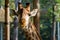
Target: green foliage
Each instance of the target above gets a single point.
(58, 1)
(12, 4)
(46, 3)
(2, 3)
(57, 12)
(45, 26)
(46, 19)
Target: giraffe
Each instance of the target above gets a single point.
(27, 26)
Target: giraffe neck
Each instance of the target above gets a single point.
(31, 33)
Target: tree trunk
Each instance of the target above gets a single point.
(7, 23)
(53, 36)
(37, 17)
(58, 25)
(15, 22)
(54, 31)
(15, 34)
(16, 4)
(1, 32)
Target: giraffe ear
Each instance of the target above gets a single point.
(34, 12)
(28, 6)
(20, 6)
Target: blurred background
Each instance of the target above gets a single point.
(49, 19)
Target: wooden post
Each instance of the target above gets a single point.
(7, 27)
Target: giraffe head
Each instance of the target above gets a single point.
(25, 14)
